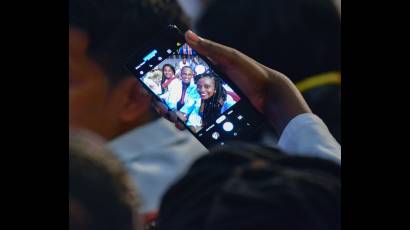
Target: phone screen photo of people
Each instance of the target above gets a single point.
(187, 85)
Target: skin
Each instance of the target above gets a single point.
(168, 72)
(206, 88)
(186, 75)
(269, 91)
(94, 103)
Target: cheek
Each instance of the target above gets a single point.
(211, 90)
(87, 103)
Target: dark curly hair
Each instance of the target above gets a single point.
(213, 105)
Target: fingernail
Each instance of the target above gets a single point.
(192, 36)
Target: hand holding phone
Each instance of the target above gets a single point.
(224, 99)
(269, 91)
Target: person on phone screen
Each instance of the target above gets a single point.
(213, 101)
(168, 76)
(182, 90)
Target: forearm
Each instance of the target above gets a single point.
(284, 100)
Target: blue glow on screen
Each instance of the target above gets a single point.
(150, 55)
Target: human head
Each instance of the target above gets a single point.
(186, 74)
(248, 187)
(103, 96)
(208, 85)
(168, 71)
(101, 194)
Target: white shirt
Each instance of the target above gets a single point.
(175, 93)
(181, 64)
(156, 155)
(307, 135)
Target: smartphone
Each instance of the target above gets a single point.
(211, 106)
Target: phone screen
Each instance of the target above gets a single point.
(190, 87)
(211, 107)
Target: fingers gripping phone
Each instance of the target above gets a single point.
(211, 106)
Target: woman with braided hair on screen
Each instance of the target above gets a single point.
(213, 101)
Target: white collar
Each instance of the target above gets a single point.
(155, 133)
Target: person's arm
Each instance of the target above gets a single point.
(190, 111)
(307, 135)
(194, 119)
(271, 92)
(274, 95)
(188, 107)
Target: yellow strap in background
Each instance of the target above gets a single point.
(319, 80)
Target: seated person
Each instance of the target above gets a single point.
(184, 62)
(213, 101)
(168, 75)
(182, 90)
(186, 50)
(198, 65)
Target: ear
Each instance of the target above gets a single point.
(135, 101)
